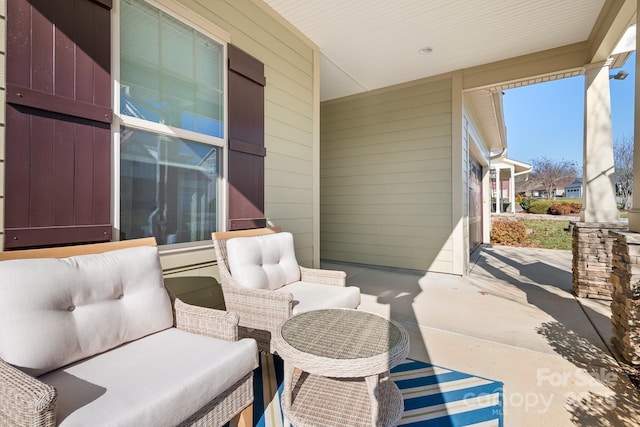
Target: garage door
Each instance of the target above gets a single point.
(475, 204)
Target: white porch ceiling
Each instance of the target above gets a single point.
(370, 44)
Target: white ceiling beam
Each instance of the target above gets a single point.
(527, 67)
(613, 21)
(616, 16)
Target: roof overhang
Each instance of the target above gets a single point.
(505, 165)
(487, 109)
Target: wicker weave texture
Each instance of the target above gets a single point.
(205, 321)
(342, 343)
(344, 358)
(26, 401)
(262, 311)
(322, 401)
(223, 408)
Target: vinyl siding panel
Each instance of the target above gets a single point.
(193, 277)
(386, 178)
(289, 110)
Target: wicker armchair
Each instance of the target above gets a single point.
(27, 401)
(262, 311)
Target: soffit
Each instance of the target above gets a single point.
(370, 44)
(485, 106)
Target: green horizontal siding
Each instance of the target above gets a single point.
(385, 178)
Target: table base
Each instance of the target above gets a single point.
(326, 402)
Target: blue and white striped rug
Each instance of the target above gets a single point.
(433, 396)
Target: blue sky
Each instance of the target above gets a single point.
(547, 119)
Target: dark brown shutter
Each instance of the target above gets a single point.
(246, 141)
(58, 115)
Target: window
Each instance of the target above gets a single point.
(167, 187)
(172, 111)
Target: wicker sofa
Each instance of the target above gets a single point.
(89, 335)
(263, 283)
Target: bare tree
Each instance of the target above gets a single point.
(523, 184)
(623, 176)
(549, 173)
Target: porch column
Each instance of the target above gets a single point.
(498, 189)
(634, 213)
(599, 201)
(625, 307)
(592, 240)
(512, 190)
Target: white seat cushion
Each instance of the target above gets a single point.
(159, 380)
(313, 296)
(263, 262)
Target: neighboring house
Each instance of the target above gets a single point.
(539, 193)
(559, 191)
(542, 193)
(174, 118)
(574, 190)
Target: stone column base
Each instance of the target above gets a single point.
(625, 305)
(592, 253)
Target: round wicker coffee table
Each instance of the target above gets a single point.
(336, 368)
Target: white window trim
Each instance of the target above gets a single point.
(192, 19)
(202, 25)
(140, 124)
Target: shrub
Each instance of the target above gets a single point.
(525, 203)
(508, 232)
(576, 207)
(565, 208)
(539, 206)
(560, 209)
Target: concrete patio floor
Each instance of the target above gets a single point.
(515, 320)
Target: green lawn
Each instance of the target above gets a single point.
(547, 234)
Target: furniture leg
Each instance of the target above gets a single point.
(289, 374)
(373, 382)
(244, 418)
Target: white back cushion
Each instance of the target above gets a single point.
(57, 311)
(263, 262)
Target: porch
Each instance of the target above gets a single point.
(513, 320)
